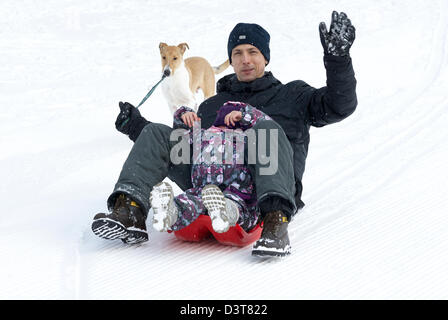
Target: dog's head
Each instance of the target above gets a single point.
(172, 57)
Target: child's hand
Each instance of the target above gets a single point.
(233, 117)
(189, 118)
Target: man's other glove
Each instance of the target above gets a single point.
(338, 41)
(127, 113)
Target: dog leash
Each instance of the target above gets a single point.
(146, 97)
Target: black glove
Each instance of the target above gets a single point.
(338, 41)
(127, 114)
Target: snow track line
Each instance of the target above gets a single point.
(394, 146)
(436, 58)
(390, 144)
(400, 142)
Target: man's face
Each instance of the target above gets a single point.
(248, 62)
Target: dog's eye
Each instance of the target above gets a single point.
(175, 58)
(163, 58)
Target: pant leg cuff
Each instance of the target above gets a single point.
(142, 201)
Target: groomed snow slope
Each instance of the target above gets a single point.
(375, 224)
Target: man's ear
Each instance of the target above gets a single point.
(183, 46)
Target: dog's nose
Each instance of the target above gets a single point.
(166, 72)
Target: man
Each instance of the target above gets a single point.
(294, 107)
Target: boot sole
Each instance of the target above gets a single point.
(162, 203)
(215, 202)
(112, 230)
(271, 252)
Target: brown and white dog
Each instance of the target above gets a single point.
(184, 77)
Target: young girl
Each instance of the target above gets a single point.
(225, 191)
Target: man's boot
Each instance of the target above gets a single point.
(274, 240)
(126, 222)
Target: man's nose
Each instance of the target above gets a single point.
(246, 58)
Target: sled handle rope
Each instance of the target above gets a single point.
(146, 97)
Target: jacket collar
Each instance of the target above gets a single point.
(231, 84)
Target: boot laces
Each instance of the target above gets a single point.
(120, 202)
(273, 222)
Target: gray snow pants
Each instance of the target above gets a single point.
(149, 163)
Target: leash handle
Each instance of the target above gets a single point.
(145, 98)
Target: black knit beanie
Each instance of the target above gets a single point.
(249, 33)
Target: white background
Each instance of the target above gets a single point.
(375, 222)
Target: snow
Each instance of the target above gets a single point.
(375, 223)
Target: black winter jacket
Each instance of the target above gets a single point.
(295, 106)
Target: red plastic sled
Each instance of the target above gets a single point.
(201, 228)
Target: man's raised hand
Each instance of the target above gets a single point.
(339, 39)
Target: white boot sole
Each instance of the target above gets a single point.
(164, 209)
(222, 211)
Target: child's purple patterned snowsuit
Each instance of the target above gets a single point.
(210, 167)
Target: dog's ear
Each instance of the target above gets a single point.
(183, 46)
(162, 45)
